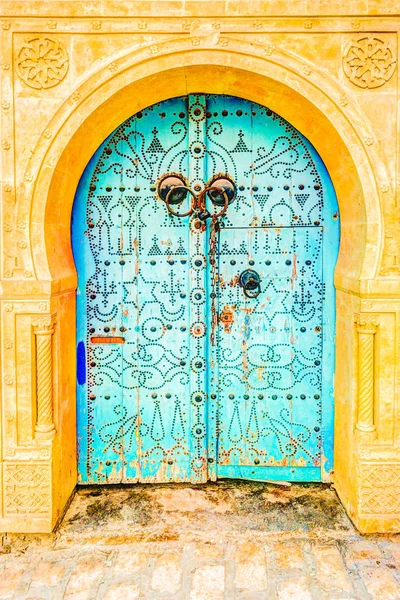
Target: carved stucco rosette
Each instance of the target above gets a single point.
(369, 62)
(42, 63)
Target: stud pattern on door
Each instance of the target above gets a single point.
(182, 374)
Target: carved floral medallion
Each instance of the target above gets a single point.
(42, 63)
(369, 62)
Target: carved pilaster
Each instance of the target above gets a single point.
(43, 331)
(366, 328)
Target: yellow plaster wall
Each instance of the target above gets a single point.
(115, 58)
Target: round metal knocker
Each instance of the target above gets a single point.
(172, 182)
(172, 190)
(250, 282)
(219, 187)
(222, 194)
(173, 193)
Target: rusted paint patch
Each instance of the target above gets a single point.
(107, 340)
(226, 317)
(294, 272)
(234, 281)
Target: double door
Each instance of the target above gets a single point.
(205, 328)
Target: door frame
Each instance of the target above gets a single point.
(105, 99)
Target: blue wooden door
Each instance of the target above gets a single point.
(205, 345)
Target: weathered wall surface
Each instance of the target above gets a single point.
(70, 73)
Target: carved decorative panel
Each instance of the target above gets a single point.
(27, 488)
(380, 489)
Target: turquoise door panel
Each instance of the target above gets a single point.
(183, 373)
(270, 348)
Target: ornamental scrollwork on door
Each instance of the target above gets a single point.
(156, 290)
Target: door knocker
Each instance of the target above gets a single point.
(172, 189)
(250, 282)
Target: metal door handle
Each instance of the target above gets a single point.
(250, 280)
(172, 189)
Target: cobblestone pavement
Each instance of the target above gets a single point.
(225, 540)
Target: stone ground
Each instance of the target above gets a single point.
(224, 540)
